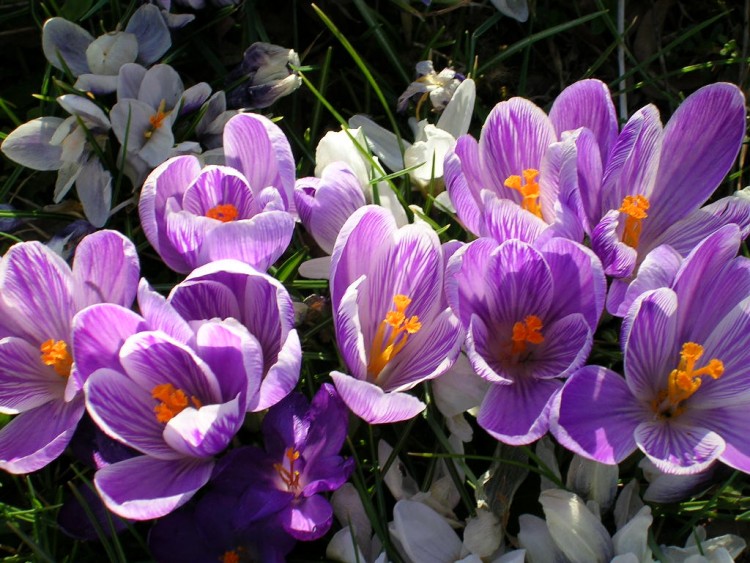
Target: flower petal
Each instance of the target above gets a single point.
(29, 144)
(148, 25)
(62, 39)
(518, 413)
(142, 488)
(676, 446)
(25, 382)
(595, 415)
(372, 404)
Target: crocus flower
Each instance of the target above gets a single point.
(266, 74)
(192, 216)
(96, 62)
(148, 102)
(685, 395)
(519, 171)
(53, 143)
(437, 87)
(39, 380)
(425, 156)
(644, 188)
(300, 460)
(175, 384)
(393, 327)
(530, 313)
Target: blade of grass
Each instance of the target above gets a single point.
(531, 39)
(382, 40)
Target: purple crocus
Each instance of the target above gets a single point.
(175, 384)
(644, 188)
(530, 313)
(39, 378)
(193, 216)
(519, 169)
(393, 326)
(301, 460)
(686, 391)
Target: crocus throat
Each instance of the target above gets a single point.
(173, 402)
(634, 207)
(225, 212)
(55, 353)
(230, 556)
(526, 331)
(286, 471)
(529, 190)
(684, 381)
(392, 335)
(157, 120)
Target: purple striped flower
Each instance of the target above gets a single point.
(393, 326)
(530, 313)
(193, 215)
(686, 391)
(520, 180)
(175, 383)
(39, 380)
(647, 188)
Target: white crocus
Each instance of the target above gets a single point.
(425, 156)
(573, 533)
(722, 549)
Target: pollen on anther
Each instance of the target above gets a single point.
(55, 354)
(225, 213)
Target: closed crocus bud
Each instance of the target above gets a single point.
(266, 74)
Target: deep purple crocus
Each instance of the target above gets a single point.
(193, 215)
(393, 326)
(300, 460)
(39, 379)
(530, 314)
(686, 391)
(175, 384)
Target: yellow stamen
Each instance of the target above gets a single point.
(173, 402)
(289, 475)
(635, 208)
(399, 327)
(224, 213)
(528, 330)
(157, 120)
(684, 381)
(529, 190)
(55, 353)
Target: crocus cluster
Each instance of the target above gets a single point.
(565, 215)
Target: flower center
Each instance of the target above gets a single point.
(286, 471)
(157, 120)
(634, 207)
(526, 331)
(55, 353)
(225, 212)
(230, 556)
(173, 402)
(529, 190)
(392, 335)
(684, 381)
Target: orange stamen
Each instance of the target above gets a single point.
(289, 475)
(157, 120)
(383, 349)
(55, 353)
(684, 381)
(224, 213)
(173, 402)
(230, 557)
(529, 190)
(528, 330)
(635, 208)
